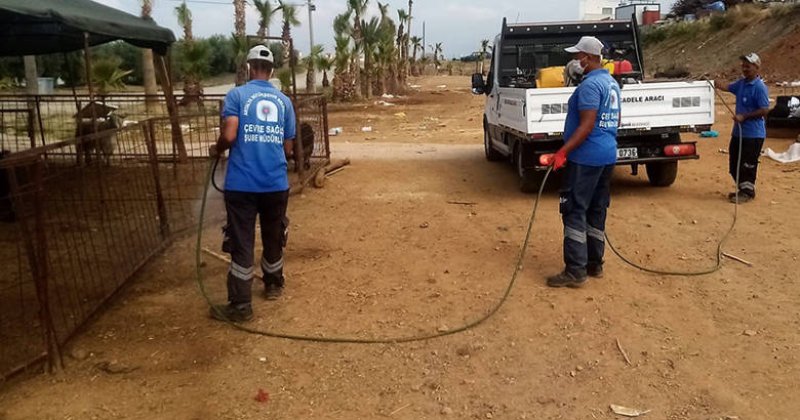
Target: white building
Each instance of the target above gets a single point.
(638, 8)
(597, 9)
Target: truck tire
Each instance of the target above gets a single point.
(529, 179)
(662, 174)
(492, 155)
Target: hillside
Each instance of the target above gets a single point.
(712, 45)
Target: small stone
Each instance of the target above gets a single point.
(262, 359)
(750, 333)
(446, 411)
(464, 351)
(572, 373)
(424, 225)
(579, 368)
(489, 415)
(443, 328)
(79, 353)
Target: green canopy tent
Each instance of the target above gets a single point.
(33, 27)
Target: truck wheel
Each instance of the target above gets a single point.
(662, 174)
(492, 155)
(529, 179)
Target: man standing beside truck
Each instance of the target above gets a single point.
(752, 105)
(590, 147)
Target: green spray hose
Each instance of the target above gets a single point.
(718, 264)
(355, 340)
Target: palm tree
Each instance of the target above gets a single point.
(193, 59)
(324, 63)
(266, 13)
(148, 67)
(359, 8)
(402, 58)
(310, 63)
(107, 75)
(437, 53)
(343, 85)
(371, 37)
(417, 43)
(240, 30)
(406, 63)
(484, 48)
(184, 16)
(289, 19)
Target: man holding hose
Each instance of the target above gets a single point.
(752, 105)
(259, 129)
(590, 147)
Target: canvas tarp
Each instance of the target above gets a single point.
(33, 27)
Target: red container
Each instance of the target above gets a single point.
(650, 17)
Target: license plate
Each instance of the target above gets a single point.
(628, 153)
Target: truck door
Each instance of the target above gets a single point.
(493, 100)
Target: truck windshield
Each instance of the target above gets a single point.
(521, 58)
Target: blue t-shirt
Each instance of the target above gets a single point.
(598, 91)
(257, 161)
(750, 96)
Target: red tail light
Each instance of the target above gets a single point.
(538, 136)
(680, 150)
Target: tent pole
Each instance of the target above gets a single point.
(172, 108)
(87, 58)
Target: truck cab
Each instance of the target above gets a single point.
(525, 108)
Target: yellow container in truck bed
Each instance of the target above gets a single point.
(550, 77)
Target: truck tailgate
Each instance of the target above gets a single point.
(644, 106)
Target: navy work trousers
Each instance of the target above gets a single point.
(584, 200)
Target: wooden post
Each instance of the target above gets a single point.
(150, 139)
(325, 129)
(172, 108)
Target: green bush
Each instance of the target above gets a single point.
(719, 21)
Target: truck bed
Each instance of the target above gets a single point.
(645, 106)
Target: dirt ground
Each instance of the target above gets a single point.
(379, 252)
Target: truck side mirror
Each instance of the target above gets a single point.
(478, 84)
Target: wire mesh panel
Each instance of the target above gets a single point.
(21, 331)
(312, 134)
(36, 120)
(79, 217)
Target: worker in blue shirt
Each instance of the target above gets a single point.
(752, 105)
(259, 129)
(589, 154)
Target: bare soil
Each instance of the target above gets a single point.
(379, 252)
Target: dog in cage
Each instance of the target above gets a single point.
(105, 143)
(307, 141)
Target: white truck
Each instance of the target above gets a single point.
(522, 122)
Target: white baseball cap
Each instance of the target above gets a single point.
(752, 58)
(260, 52)
(589, 45)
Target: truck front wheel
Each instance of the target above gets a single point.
(492, 155)
(662, 174)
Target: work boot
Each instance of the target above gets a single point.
(232, 313)
(272, 291)
(565, 279)
(595, 270)
(743, 197)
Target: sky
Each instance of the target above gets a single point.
(459, 25)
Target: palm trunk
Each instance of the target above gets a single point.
(325, 82)
(240, 31)
(149, 78)
(367, 86)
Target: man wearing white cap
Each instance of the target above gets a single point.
(259, 129)
(752, 105)
(590, 147)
